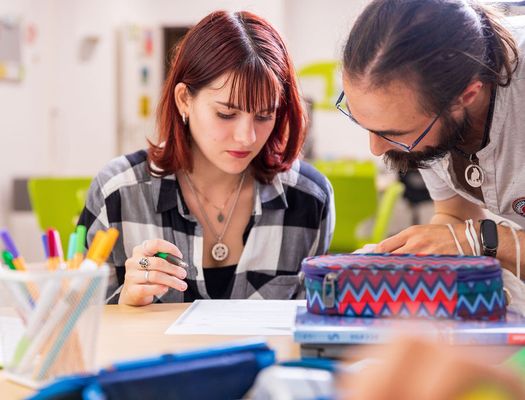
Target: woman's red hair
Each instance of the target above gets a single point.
(251, 51)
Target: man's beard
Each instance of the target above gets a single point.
(452, 134)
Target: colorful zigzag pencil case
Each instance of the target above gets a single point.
(406, 285)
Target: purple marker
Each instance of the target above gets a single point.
(9, 243)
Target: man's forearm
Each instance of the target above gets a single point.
(507, 245)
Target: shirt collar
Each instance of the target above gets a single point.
(167, 195)
(272, 196)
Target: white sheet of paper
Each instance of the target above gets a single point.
(11, 328)
(237, 317)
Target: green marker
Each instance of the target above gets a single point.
(172, 259)
(8, 259)
(71, 247)
(80, 239)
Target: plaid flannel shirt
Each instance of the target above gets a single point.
(293, 217)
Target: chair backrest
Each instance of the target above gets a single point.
(355, 198)
(328, 73)
(384, 213)
(57, 202)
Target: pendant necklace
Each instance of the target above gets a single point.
(220, 209)
(474, 174)
(220, 250)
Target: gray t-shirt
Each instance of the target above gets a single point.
(502, 159)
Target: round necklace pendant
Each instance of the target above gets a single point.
(220, 217)
(219, 251)
(474, 175)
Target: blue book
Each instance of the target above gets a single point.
(323, 329)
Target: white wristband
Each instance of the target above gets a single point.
(470, 239)
(474, 235)
(458, 245)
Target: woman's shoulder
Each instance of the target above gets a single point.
(304, 177)
(123, 171)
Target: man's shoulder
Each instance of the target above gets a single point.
(516, 26)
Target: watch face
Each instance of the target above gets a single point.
(489, 237)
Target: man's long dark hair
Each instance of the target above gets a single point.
(438, 46)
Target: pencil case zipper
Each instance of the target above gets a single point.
(328, 279)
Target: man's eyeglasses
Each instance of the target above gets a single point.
(341, 106)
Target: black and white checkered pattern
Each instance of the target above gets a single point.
(293, 218)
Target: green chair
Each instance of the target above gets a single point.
(57, 202)
(357, 201)
(327, 72)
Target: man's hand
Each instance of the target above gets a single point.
(425, 239)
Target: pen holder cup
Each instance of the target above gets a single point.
(56, 319)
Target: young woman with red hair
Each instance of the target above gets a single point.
(223, 188)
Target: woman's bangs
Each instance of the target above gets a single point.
(255, 88)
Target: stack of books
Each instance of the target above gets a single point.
(322, 335)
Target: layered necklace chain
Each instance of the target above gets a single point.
(219, 251)
(220, 209)
(474, 174)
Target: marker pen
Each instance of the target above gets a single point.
(172, 259)
(9, 244)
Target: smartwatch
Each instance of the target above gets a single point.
(488, 232)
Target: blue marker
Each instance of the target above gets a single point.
(45, 244)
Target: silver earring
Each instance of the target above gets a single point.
(184, 120)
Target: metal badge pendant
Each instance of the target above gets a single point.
(474, 175)
(219, 251)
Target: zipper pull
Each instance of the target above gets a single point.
(301, 276)
(328, 291)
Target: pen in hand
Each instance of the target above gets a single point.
(172, 259)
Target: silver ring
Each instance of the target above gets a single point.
(144, 263)
(146, 276)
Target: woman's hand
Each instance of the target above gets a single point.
(425, 239)
(148, 276)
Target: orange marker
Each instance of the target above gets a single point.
(97, 240)
(104, 249)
